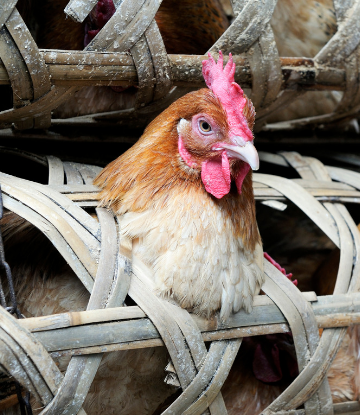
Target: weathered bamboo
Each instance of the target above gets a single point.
(88, 333)
(69, 68)
(121, 328)
(345, 408)
(261, 193)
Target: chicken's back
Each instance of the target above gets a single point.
(301, 29)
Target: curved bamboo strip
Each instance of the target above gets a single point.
(304, 200)
(44, 374)
(55, 237)
(331, 339)
(82, 369)
(305, 333)
(190, 335)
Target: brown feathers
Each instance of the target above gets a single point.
(191, 26)
(146, 174)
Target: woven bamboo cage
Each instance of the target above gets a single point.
(129, 50)
(41, 80)
(93, 250)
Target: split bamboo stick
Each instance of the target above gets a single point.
(69, 68)
(125, 328)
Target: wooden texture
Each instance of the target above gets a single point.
(69, 68)
(82, 369)
(130, 327)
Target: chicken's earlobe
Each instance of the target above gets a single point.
(185, 155)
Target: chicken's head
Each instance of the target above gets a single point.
(217, 139)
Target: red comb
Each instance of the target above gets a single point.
(221, 81)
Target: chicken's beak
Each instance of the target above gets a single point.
(247, 153)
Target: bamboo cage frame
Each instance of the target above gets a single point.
(77, 68)
(43, 79)
(109, 272)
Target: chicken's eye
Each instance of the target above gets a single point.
(205, 126)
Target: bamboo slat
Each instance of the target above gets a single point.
(70, 68)
(330, 341)
(306, 339)
(305, 202)
(56, 171)
(42, 371)
(35, 65)
(54, 236)
(82, 369)
(17, 74)
(330, 191)
(59, 331)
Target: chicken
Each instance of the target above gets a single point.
(302, 28)
(184, 193)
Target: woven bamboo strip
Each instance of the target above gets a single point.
(79, 9)
(260, 194)
(69, 68)
(330, 191)
(168, 328)
(45, 197)
(275, 81)
(305, 202)
(56, 238)
(44, 375)
(35, 65)
(229, 350)
(306, 339)
(82, 369)
(170, 322)
(56, 171)
(144, 337)
(79, 318)
(310, 379)
(17, 73)
(81, 217)
(6, 8)
(125, 326)
(66, 226)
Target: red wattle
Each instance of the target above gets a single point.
(239, 179)
(215, 175)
